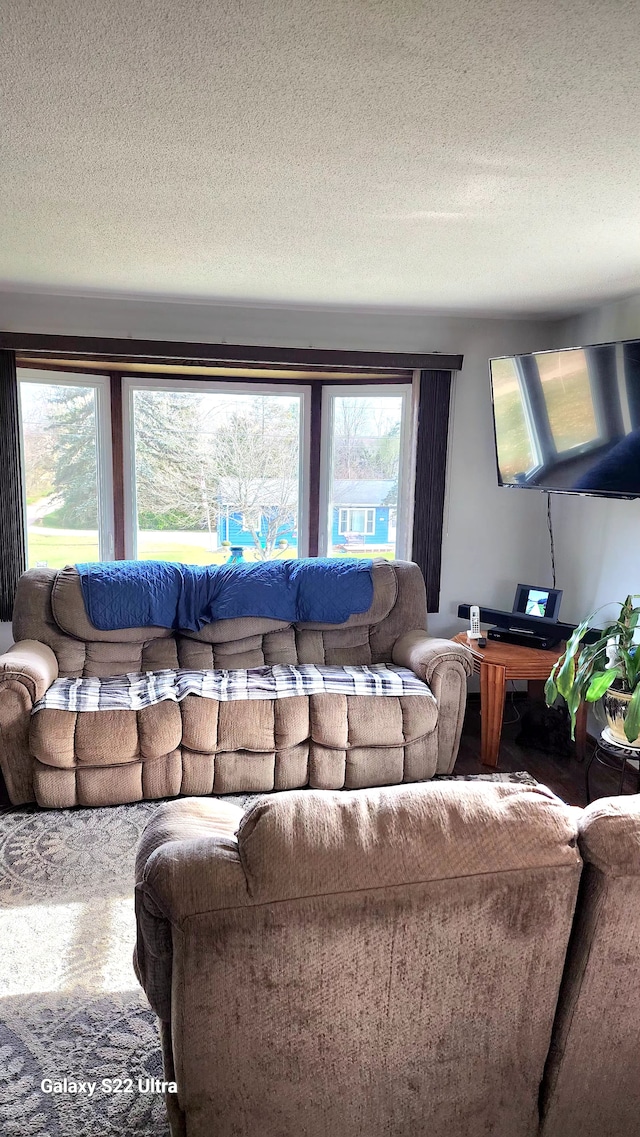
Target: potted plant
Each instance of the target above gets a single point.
(607, 670)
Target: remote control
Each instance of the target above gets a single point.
(474, 631)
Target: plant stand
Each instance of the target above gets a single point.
(613, 757)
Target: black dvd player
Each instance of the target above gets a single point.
(523, 638)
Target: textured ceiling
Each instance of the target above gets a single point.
(476, 154)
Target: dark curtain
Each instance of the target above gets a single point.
(431, 465)
(12, 537)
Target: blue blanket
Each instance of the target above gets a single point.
(136, 594)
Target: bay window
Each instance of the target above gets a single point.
(209, 466)
(166, 451)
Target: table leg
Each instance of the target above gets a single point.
(492, 688)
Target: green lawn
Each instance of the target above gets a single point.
(56, 548)
(59, 547)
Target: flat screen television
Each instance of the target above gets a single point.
(569, 421)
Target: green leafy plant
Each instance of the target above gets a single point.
(583, 674)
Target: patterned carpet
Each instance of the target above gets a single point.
(70, 1003)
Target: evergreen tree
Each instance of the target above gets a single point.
(72, 425)
(167, 457)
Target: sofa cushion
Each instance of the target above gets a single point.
(343, 723)
(137, 689)
(94, 738)
(302, 844)
(610, 836)
(385, 592)
(70, 614)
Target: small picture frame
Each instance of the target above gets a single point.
(541, 603)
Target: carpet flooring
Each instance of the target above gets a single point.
(70, 1005)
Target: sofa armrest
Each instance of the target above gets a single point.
(31, 663)
(26, 671)
(444, 666)
(178, 863)
(423, 654)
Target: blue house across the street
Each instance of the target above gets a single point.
(248, 509)
(363, 512)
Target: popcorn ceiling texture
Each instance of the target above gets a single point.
(457, 155)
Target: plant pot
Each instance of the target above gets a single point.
(615, 705)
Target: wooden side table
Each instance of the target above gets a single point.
(498, 662)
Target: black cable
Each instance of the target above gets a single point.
(514, 710)
(551, 545)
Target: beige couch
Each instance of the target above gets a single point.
(380, 963)
(395, 961)
(199, 746)
(592, 1083)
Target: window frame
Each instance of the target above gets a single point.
(346, 528)
(104, 450)
(132, 383)
(432, 377)
(569, 452)
(406, 474)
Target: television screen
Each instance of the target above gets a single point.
(569, 421)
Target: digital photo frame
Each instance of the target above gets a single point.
(532, 600)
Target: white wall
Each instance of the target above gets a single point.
(598, 539)
(493, 537)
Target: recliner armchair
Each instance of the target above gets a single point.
(365, 964)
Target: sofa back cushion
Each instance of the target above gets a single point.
(301, 844)
(591, 1085)
(49, 607)
(384, 961)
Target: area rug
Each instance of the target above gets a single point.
(70, 1005)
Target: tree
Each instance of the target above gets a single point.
(169, 475)
(253, 458)
(365, 446)
(187, 445)
(349, 445)
(72, 429)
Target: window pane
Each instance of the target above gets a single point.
(567, 393)
(515, 452)
(216, 472)
(365, 470)
(60, 455)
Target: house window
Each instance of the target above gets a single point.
(357, 522)
(366, 483)
(212, 465)
(66, 463)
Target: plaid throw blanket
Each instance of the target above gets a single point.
(137, 690)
